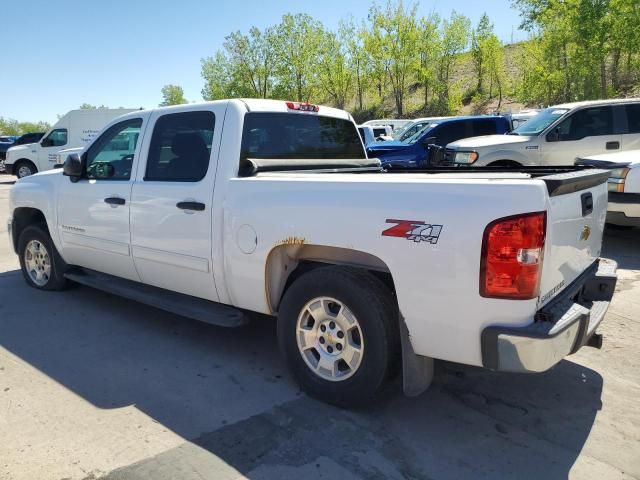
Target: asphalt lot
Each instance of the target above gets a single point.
(95, 386)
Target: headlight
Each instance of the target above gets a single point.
(616, 179)
(465, 157)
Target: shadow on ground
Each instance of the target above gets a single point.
(623, 246)
(228, 393)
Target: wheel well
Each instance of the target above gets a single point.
(26, 160)
(505, 163)
(22, 218)
(286, 263)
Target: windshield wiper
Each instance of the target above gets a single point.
(513, 133)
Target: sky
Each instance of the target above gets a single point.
(120, 53)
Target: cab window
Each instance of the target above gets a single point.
(181, 147)
(111, 156)
(57, 138)
(588, 122)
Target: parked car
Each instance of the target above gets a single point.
(273, 207)
(75, 129)
(557, 136)
(371, 134)
(413, 152)
(27, 138)
(521, 117)
(624, 185)
(6, 142)
(394, 123)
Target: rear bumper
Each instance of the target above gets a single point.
(624, 209)
(560, 329)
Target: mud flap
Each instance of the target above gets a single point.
(417, 371)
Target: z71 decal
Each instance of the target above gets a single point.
(414, 230)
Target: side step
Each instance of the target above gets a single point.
(178, 303)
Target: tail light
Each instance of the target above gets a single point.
(511, 262)
(303, 107)
(617, 179)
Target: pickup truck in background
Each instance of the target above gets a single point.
(235, 206)
(413, 150)
(624, 185)
(558, 135)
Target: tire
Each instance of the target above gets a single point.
(370, 343)
(24, 168)
(40, 262)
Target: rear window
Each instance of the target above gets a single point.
(299, 136)
(633, 117)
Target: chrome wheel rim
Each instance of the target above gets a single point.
(24, 171)
(330, 339)
(37, 263)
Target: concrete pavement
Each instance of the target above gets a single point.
(95, 386)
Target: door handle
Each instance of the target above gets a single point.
(197, 206)
(114, 201)
(613, 145)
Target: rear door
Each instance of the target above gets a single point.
(171, 201)
(631, 133)
(575, 222)
(588, 131)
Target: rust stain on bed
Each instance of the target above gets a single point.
(291, 241)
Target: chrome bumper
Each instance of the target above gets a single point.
(560, 329)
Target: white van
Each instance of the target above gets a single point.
(371, 134)
(75, 129)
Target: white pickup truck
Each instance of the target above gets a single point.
(265, 206)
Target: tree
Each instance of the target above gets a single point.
(479, 38)
(396, 36)
(353, 38)
(172, 95)
(429, 51)
(455, 38)
(10, 126)
(494, 57)
(252, 56)
(336, 76)
(297, 44)
(88, 106)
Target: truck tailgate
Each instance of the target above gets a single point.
(576, 216)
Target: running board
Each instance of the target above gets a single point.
(178, 303)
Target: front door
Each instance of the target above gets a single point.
(589, 131)
(93, 213)
(172, 199)
(49, 148)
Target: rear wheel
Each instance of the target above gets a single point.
(24, 168)
(41, 264)
(337, 329)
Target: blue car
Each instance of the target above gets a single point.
(413, 152)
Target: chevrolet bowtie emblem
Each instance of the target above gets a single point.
(586, 232)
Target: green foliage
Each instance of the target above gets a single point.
(395, 60)
(9, 126)
(582, 49)
(172, 95)
(88, 106)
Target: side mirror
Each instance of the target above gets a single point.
(72, 167)
(554, 135)
(46, 142)
(429, 141)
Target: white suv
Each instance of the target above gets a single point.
(556, 136)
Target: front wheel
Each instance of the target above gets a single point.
(41, 264)
(337, 329)
(24, 169)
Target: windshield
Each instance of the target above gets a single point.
(407, 135)
(540, 122)
(416, 136)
